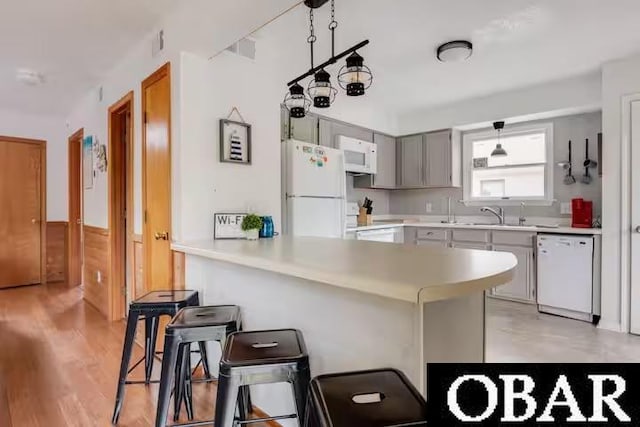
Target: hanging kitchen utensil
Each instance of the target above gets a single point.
(569, 178)
(588, 163)
(586, 178)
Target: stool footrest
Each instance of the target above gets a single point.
(142, 382)
(264, 420)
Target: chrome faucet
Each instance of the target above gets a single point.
(498, 212)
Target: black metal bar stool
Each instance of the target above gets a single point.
(261, 357)
(150, 308)
(190, 325)
(377, 398)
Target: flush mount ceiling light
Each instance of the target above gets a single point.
(29, 77)
(455, 51)
(355, 78)
(498, 151)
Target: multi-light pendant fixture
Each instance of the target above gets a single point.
(354, 77)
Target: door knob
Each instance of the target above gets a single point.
(162, 236)
(638, 229)
(33, 220)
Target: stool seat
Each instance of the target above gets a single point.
(203, 316)
(170, 297)
(378, 398)
(264, 348)
(260, 357)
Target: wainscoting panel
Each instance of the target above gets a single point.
(57, 251)
(96, 267)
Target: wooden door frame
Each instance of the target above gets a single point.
(164, 71)
(79, 134)
(42, 145)
(120, 259)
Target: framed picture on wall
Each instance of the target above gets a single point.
(235, 142)
(87, 162)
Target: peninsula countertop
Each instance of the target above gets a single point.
(401, 272)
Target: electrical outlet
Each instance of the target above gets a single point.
(565, 208)
(99, 276)
(428, 207)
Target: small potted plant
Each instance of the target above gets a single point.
(251, 225)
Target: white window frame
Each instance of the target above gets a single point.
(467, 166)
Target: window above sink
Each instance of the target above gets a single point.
(525, 174)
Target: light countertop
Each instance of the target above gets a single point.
(530, 229)
(402, 272)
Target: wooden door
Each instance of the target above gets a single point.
(22, 213)
(74, 251)
(438, 159)
(156, 165)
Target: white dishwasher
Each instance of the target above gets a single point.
(565, 276)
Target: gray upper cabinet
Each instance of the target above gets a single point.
(385, 176)
(429, 160)
(304, 129)
(437, 151)
(410, 162)
(330, 131)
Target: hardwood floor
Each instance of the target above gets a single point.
(59, 357)
(59, 362)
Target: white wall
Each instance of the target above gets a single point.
(562, 97)
(92, 115)
(50, 129)
(210, 89)
(619, 78)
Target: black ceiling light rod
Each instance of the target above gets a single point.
(330, 61)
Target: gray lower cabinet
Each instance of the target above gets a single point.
(385, 177)
(523, 286)
(304, 129)
(468, 245)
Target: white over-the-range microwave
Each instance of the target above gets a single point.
(359, 156)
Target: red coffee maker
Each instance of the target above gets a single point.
(581, 213)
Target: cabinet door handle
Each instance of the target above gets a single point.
(638, 229)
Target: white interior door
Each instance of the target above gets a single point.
(635, 217)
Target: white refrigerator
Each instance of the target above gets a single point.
(314, 189)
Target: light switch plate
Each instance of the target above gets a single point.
(565, 208)
(428, 207)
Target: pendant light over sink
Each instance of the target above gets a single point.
(355, 77)
(498, 151)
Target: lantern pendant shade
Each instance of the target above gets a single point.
(498, 151)
(321, 90)
(355, 77)
(297, 102)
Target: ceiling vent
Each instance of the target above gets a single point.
(245, 48)
(157, 45)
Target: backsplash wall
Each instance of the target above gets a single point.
(576, 128)
(380, 197)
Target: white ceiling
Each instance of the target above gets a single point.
(517, 43)
(72, 42)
